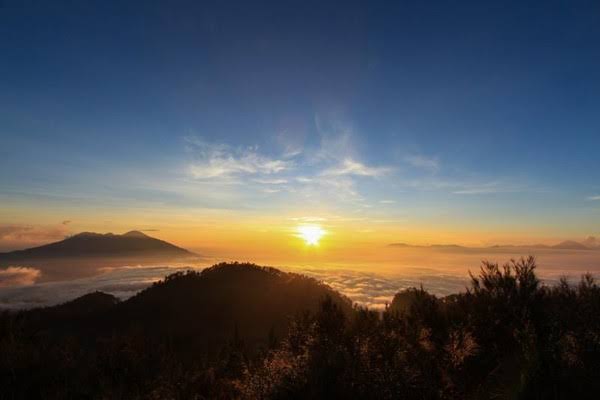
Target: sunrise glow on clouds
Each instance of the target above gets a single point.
(411, 197)
(301, 142)
(221, 142)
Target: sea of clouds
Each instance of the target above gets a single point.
(19, 290)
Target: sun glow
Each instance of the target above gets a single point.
(311, 234)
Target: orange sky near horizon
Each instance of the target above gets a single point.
(233, 235)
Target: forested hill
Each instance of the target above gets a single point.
(198, 311)
(239, 331)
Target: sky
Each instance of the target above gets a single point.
(223, 126)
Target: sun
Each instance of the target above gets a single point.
(311, 234)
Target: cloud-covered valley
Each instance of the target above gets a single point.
(19, 290)
(368, 289)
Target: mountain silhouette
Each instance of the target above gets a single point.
(591, 243)
(85, 253)
(570, 245)
(89, 244)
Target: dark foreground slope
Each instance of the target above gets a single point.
(198, 336)
(186, 320)
(204, 309)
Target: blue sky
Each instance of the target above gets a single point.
(447, 115)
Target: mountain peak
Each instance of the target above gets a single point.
(134, 234)
(592, 241)
(570, 245)
(89, 234)
(133, 244)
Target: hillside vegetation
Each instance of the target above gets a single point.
(248, 332)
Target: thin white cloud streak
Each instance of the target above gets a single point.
(340, 189)
(325, 174)
(593, 198)
(351, 167)
(423, 162)
(303, 179)
(467, 187)
(488, 188)
(271, 181)
(270, 190)
(221, 161)
(330, 174)
(309, 219)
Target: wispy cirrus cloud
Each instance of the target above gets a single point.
(325, 173)
(222, 161)
(423, 162)
(352, 167)
(330, 172)
(274, 181)
(340, 189)
(488, 188)
(593, 198)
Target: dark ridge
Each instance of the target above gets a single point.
(135, 234)
(590, 243)
(570, 245)
(254, 299)
(198, 309)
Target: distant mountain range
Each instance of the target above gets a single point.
(591, 243)
(89, 244)
(83, 254)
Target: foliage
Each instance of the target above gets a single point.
(507, 336)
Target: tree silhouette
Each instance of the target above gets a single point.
(284, 336)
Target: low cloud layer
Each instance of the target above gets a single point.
(17, 276)
(367, 289)
(122, 282)
(375, 291)
(18, 290)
